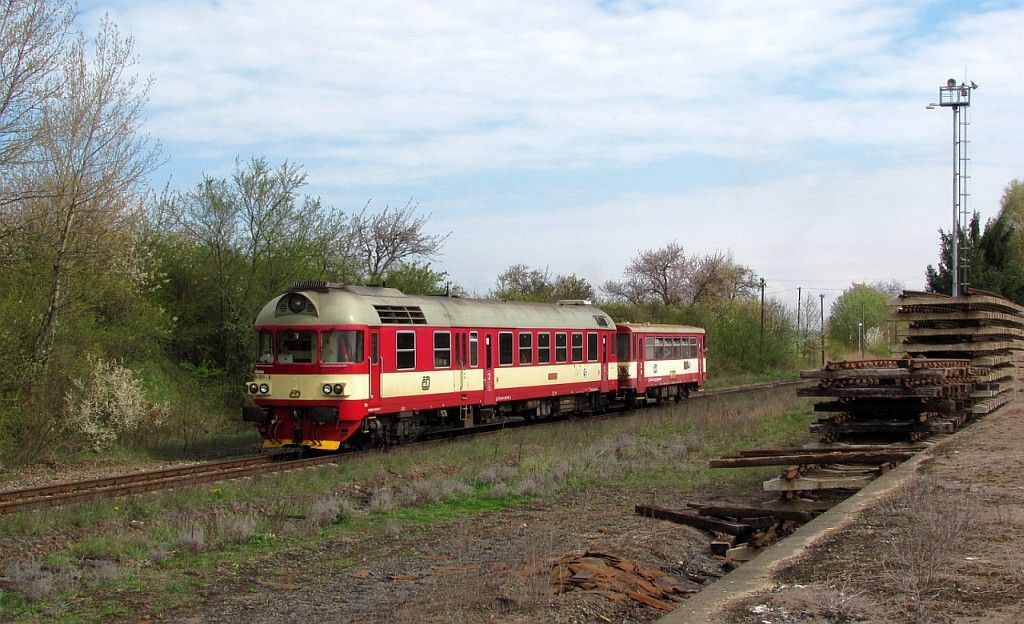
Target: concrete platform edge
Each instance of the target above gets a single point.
(755, 576)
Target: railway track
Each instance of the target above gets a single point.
(149, 481)
(27, 499)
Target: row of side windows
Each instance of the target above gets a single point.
(670, 348)
(465, 354)
(405, 349)
(562, 348)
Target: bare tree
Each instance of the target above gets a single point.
(660, 274)
(91, 157)
(33, 38)
(391, 236)
(716, 277)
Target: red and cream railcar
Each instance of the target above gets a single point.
(341, 361)
(657, 362)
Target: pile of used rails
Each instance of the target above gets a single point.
(905, 399)
(986, 329)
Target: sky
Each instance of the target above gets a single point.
(572, 135)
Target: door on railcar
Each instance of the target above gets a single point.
(375, 368)
(700, 357)
(604, 359)
(641, 368)
(488, 369)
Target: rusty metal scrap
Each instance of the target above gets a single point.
(619, 579)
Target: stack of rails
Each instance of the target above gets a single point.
(981, 327)
(904, 399)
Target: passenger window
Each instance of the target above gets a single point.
(659, 348)
(592, 346)
(561, 351)
(649, 348)
(474, 350)
(577, 347)
(505, 349)
(677, 346)
(442, 349)
(543, 348)
(525, 348)
(405, 350)
(693, 347)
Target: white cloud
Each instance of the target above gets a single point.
(389, 94)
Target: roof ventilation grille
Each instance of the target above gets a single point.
(400, 315)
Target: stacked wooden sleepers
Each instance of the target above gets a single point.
(986, 329)
(904, 399)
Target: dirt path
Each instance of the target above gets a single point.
(942, 547)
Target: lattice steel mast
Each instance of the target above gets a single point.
(958, 96)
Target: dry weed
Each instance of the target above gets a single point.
(382, 500)
(930, 521)
(494, 474)
(192, 538)
(839, 601)
(31, 580)
(236, 528)
(100, 570)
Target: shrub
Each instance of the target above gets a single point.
(109, 403)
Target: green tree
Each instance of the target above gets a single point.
(73, 281)
(522, 283)
(229, 245)
(858, 314)
(572, 286)
(994, 255)
(418, 278)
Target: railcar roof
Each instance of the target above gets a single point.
(364, 305)
(658, 328)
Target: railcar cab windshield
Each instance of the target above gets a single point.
(337, 346)
(296, 347)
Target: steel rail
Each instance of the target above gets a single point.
(148, 481)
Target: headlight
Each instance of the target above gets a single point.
(296, 303)
(253, 388)
(327, 388)
(264, 389)
(339, 388)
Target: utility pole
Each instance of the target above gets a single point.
(762, 316)
(799, 297)
(822, 296)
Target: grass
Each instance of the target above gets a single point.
(662, 451)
